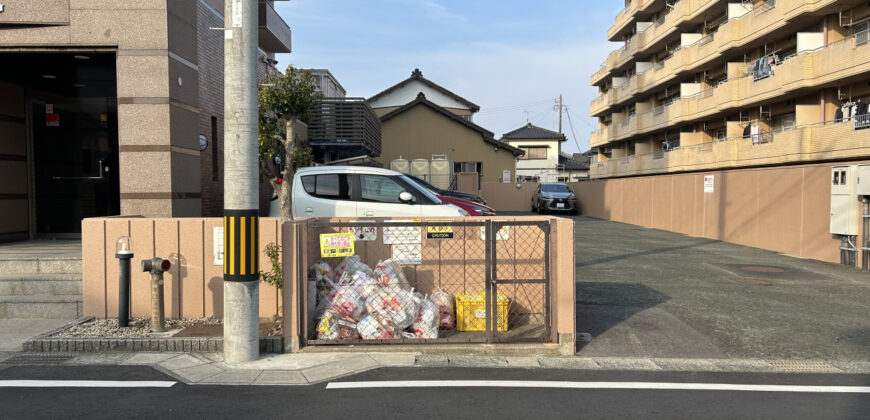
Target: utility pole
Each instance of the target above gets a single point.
(241, 192)
(559, 104)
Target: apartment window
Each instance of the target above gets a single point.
(720, 134)
(214, 150)
(534, 152)
(783, 122)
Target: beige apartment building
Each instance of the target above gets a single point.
(709, 85)
(114, 108)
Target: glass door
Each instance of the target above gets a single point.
(75, 155)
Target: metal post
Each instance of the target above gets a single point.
(241, 192)
(124, 288)
(158, 323)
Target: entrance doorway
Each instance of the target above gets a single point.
(68, 101)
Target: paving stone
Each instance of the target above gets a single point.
(620, 363)
(148, 358)
(430, 360)
(394, 359)
(568, 363)
(743, 365)
(98, 358)
(358, 362)
(687, 365)
(476, 361)
(233, 377)
(324, 372)
(281, 377)
(525, 362)
(852, 366)
(198, 373)
(180, 362)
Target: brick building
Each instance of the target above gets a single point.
(114, 108)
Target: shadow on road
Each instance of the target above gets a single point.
(602, 306)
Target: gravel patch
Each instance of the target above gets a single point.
(139, 328)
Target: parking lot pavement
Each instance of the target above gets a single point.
(651, 293)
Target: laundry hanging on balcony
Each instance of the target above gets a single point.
(764, 66)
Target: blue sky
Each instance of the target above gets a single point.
(511, 57)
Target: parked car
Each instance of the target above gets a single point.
(473, 209)
(355, 191)
(555, 197)
(446, 193)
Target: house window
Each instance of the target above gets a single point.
(534, 152)
(467, 167)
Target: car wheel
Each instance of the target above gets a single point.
(534, 209)
(541, 210)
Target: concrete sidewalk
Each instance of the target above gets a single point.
(313, 368)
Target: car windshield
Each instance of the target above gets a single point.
(557, 188)
(423, 191)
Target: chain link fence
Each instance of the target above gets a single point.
(427, 281)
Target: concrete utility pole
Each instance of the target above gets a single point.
(241, 193)
(559, 104)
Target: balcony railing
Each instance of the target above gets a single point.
(862, 121)
(347, 123)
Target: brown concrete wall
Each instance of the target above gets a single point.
(783, 209)
(506, 197)
(14, 208)
(420, 132)
(193, 286)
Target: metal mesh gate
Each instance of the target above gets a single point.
(426, 281)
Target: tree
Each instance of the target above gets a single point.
(283, 100)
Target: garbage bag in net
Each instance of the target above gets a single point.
(350, 265)
(347, 329)
(321, 275)
(428, 319)
(365, 284)
(370, 329)
(446, 311)
(327, 329)
(389, 273)
(392, 307)
(347, 303)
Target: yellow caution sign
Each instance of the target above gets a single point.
(336, 244)
(439, 232)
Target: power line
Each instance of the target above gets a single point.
(571, 124)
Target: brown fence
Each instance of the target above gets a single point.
(193, 286)
(783, 209)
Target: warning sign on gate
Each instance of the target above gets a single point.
(336, 244)
(439, 232)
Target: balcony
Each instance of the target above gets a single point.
(622, 20)
(602, 102)
(347, 127)
(274, 34)
(601, 137)
(802, 144)
(808, 70)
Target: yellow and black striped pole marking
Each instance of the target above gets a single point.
(241, 245)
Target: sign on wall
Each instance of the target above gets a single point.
(709, 182)
(218, 245)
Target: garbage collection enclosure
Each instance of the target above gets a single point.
(419, 281)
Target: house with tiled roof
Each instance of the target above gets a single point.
(543, 160)
(423, 121)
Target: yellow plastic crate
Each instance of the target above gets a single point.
(471, 312)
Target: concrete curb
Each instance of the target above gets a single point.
(314, 368)
(44, 343)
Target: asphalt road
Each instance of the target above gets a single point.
(429, 402)
(651, 293)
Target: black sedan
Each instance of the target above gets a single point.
(439, 191)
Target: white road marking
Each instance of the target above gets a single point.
(29, 383)
(669, 386)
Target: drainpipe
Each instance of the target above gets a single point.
(865, 257)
